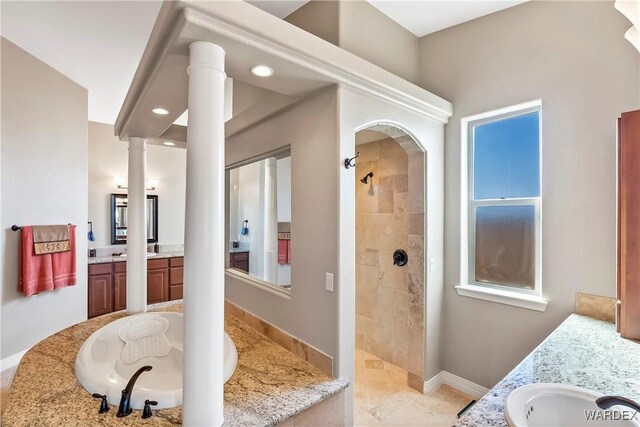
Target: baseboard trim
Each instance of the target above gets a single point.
(467, 387)
(11, 361)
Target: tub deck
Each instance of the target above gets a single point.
(269, 385)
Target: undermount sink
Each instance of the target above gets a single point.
(149, 254)
(104, 365)
(563, 405)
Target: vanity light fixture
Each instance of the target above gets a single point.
(261, 71)
(160, 111)
(121, 181)
(169, 143)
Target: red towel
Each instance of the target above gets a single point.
(39, 273)
(284, 251)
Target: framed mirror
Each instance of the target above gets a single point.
(119, 219)
(259, 218)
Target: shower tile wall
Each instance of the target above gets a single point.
(389, 216)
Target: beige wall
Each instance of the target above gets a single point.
(44, 181)
(320, 18)
(372, 35)
(363, 30)
(572, 56)
(109, 158)
(390, 299)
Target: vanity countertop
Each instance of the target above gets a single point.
(111, 258)
(269, 385)
(238, 250)
(582, 351)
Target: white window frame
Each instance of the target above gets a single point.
(469, 287)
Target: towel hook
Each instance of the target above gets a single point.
(350, 162)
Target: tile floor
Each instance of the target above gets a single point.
(382, 398)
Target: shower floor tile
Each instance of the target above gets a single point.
(382, 398)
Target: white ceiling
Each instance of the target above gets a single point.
(426, 17)
(279, 8)
(98, 44)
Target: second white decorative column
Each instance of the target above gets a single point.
(270, 220)
(204, 258)
(137, 227)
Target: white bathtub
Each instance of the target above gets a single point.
(100, 369)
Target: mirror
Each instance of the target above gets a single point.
(119, 219)
(259, 218)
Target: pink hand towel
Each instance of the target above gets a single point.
(39, 273)
(283, 250)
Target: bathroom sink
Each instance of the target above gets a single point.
(562, 405)
(104, 366)
(149, 254)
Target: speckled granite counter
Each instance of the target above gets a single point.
(582, 351)
(107, 259)
(269, 384)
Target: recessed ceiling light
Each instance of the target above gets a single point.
(261, 71)
(169, 143)
(160, 111)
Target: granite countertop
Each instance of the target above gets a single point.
(237, 250)
(269, 385)
(582, 351)
(111, 258)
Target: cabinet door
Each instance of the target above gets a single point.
(175, 292)
(157, 286)
(100, 296)
(629, 225)
(120, 291)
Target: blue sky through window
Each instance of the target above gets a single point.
(506, 158)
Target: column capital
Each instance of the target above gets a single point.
(137, 143)
(206, 56)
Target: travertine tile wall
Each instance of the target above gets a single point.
(390, 216)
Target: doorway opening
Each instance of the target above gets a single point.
(390, 282)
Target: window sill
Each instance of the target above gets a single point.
(530, 302)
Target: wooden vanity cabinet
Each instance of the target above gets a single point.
(176, 274)
(100, 290)
(157, 280)
(108, 284)
(239, 260)
(120, 286)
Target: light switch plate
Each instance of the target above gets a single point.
(328, 282)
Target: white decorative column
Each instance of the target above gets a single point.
(270, 221)
(137, 227)
(204, 244)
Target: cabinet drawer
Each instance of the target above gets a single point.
(95, 269)
(154, 264)
(175, 276)
(120, 267)
(176, 262)
(175, 292)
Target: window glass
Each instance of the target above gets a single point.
(505, 245)
(506, 160)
